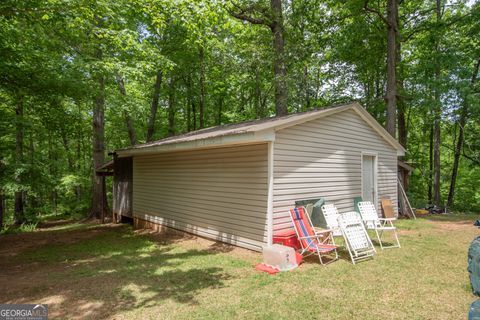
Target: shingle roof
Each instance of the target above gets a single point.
(257, 126)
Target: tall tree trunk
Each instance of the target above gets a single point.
(436, 160)
(191, 100)
(154, 106)
(306, 88)
(391, 94)
(80, 160)
(401, 105)
(258, 95)
(65, 143)
(171, 107)
(437, 115)
(201, 55)
(52, 170)
(19, 217)
(430, 167)
(2, 209)
(32, 197)
(461, 137)
(280, 71)
(132, 135)
(220, 110)
(99, 205)
(274, 21)
(189, 114)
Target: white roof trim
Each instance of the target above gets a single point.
(220, 141)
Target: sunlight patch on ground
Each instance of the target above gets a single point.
(116, 273)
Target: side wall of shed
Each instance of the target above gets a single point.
(322, 158)
(216, 193)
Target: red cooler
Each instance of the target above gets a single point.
(287, 238)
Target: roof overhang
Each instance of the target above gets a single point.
(255, 133)
(219, 141)
(105, 169)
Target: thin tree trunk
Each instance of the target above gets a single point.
(154, 106)
(436, 162)
(194, 112)
(132, 135)
(65, 143)
(171, 107)
(99, 204)
(19, 217)
(461, 138)
(402, 108)
(78, 167)
(32, 198)
(280, 71)
(52, 170)
(191, 102)
(220, 110)
(391, 94)
(201, 54)
(430, 166)
(437, 117)
(258, 95)
(306, 88)
(2, 209)
(189, 113)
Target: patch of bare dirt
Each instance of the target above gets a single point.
(454, 225)
(14, 244)
(406, 232)
(189, 240)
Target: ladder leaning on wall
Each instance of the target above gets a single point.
(404, 203)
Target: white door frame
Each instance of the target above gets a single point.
(270, 193)
(375, 173)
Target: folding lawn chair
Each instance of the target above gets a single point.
(374, 222)
(357, 241)
(330, 213)
(312, 242)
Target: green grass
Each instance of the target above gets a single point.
(101, 272)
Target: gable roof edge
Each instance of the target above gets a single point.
(367, 117)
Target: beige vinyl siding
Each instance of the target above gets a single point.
(322, 158)
(217, 193)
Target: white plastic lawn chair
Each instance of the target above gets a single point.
(374, 222)
(330, 213)
(357, 241)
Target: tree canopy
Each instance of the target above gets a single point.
(81, 78)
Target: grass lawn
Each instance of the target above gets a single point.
(90, 271)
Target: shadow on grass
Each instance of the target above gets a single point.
(115, 270)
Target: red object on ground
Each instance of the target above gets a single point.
(287, 238)
(267, 269)
(272, 270)
(299, 258)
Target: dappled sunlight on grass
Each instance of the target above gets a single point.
(107, 271)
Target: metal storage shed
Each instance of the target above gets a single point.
(235, 183)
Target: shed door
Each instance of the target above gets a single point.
(368, 178)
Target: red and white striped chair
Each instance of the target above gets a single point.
(312, 243)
